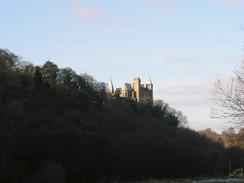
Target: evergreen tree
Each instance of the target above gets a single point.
(50, 72)
(38, 77)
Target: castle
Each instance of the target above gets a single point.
(137, 91)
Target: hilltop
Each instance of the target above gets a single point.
(55, 122)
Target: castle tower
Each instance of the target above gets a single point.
(111, 87)
(149, 86)
(126, 91)
(136, 88)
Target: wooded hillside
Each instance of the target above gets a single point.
(52, 117)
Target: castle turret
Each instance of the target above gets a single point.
(111, 87)
(149, 86)
(136, 88)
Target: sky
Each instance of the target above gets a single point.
(183, 45)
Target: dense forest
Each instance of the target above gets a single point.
(58, 126)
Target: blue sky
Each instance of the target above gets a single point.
(184, 45)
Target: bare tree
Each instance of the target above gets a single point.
(229, 99)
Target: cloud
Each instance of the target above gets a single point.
(122, 22)
(170, 6)
(234, 3)
(186, 90)
(92, 12)
(86, 11)
(237, 4)
(188, 64)
(180, 59)
(186, 96)
(191, 102)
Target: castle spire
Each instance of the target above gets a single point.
(111, 87)
(149, 81)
